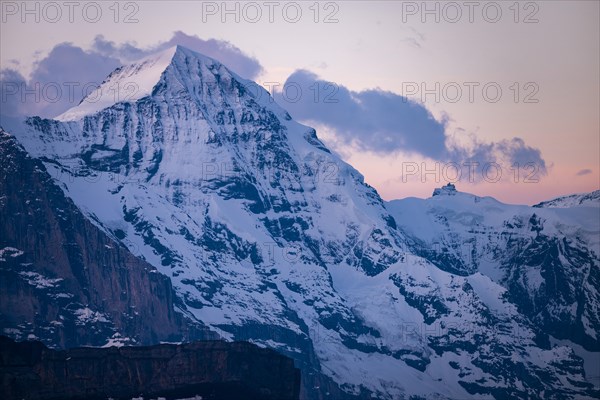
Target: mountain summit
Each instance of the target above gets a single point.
(128, 83)
(177, 67)
(449, 189)
(269, 237)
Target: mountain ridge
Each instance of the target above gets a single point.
(267, 236)
(591, 199)
(481, 234)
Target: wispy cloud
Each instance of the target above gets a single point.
(583, 172)
(415, 38)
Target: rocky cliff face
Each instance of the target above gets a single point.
(65, 281)
(214, 370)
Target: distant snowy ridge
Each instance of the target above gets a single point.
(547, 258)
(575, 200)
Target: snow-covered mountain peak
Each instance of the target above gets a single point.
(126, 83)
(591, 199)
(130, 83)
(449, 197)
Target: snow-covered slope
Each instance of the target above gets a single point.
(575, 200)
(547, 259)
(129, 83)
(267, 236)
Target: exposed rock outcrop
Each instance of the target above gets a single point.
(65, 281)
(449, 189)
(211, 369)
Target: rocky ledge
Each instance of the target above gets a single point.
(211, 369)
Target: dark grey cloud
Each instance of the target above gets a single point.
(584, 172)
(387, 123)
(61, 79)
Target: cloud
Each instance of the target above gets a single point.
(62, 79)
(518, 153)
(375, 120)
(230, 55)
(58, 81)
(11, 103)
(583, 172)
(126, 52)
(68, 73)
(415, 38)
(511, 153)
(386, 123)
